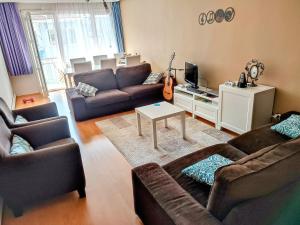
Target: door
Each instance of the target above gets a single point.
(48, 50)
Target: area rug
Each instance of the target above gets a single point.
(138, 150)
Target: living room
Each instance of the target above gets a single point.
(149, 112)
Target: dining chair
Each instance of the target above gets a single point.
(76, 60)
(133, 60)
(97, 59)
(82, 67)
(108, 63)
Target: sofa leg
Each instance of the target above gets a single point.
(17, 211)
(81, 193)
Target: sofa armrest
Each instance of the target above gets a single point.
(41, 174)
(38, 112)
(44, 133)
(257, 139)
(159, 199)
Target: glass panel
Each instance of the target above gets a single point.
(48, 48)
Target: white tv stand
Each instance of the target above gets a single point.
(203, 105)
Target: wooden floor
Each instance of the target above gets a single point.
(109, 191)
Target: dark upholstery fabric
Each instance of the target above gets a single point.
(60, 142)
(253, 176)
(101, 79)
(143, 91)
(160, 200)
(36, 114)
(44, 133)
(6, 113)
(255, 140)
(131, 76)
(199, 191)
(108, 97)
(47, 172)
(277, 208)
(5, 138)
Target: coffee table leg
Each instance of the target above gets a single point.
(138, 116)
(166, 123)
(183, 125)
(154, 134)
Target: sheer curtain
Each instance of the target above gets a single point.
(85, 30)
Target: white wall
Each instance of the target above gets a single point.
(6, 91)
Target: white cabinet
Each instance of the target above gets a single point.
(202, 105)
(244, 109)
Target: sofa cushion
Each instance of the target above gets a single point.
(101, 79)
(134, 75)
(204, 170)
(200, 191)
(141, 91)
(86, 89)
(289, 127)
(261, 173)
(19, 146)
(153, 78)
(5, 137)
(108, 97)
(20, 119)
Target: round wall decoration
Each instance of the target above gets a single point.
(229, 14)
(210, 17)
(219, 15)
(202, 19)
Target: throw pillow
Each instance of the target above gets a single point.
(86, 90)
(204, 170)
(19, 146)
(289, 127)
(20, 119)
(153, 78)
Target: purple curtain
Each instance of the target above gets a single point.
(13, 42)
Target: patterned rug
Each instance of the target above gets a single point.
(138, 150)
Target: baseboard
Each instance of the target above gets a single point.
(1, 210)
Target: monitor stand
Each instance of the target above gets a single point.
(194, 90)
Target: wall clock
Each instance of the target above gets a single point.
(254, 70)
(229, 14)
(219, 15)
(202, 19)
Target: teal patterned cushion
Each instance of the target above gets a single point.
(289, 127)
(20, 119)
(86, 90)
(153, 78)
(204, 170)
(19, 146)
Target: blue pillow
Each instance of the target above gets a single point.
(20, 119)
(19, 146)
(204, 170)
(289, 127)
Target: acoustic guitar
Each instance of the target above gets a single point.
(169, 82)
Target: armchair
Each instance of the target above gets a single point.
(36, 114)
(53, 168)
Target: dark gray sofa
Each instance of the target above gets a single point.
(261, 187)
(116, 92)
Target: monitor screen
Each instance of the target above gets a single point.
(191, 74)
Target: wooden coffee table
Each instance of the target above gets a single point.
(156, 112)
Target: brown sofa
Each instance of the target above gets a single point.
(116, 92)
(36, 114)
(261, 187)
(53, 168)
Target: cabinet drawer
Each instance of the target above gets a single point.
(184, 103)
(206, 111)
